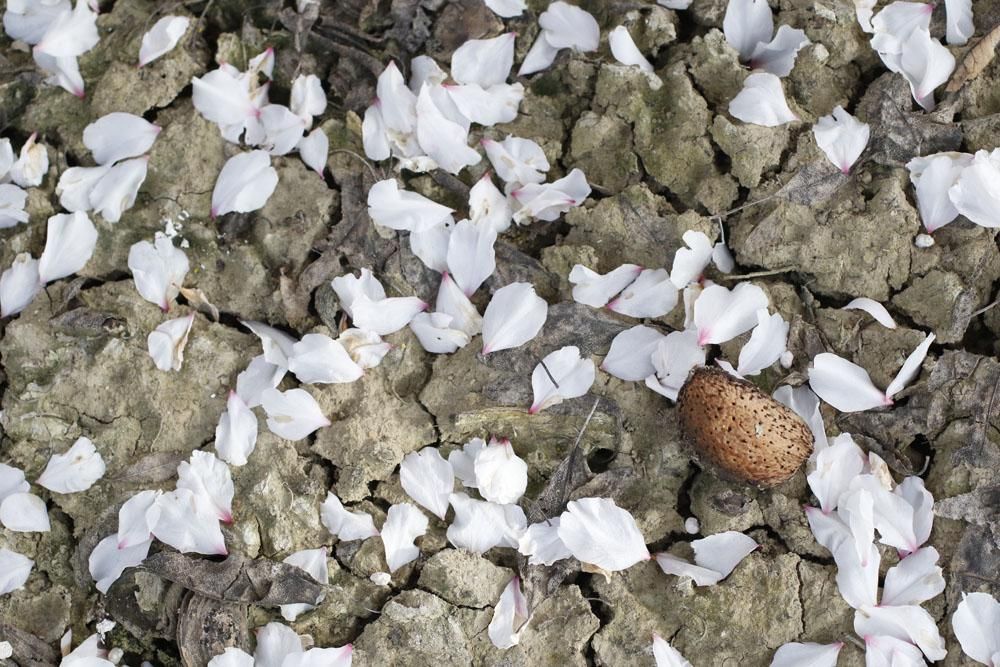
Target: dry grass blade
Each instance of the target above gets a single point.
(975, 60)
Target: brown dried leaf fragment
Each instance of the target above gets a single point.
(975, 61)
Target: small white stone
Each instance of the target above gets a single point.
(115, 655)
(105, 626)
(923, 241)
(6, 650)
(692, 526)
(381, 578)
(786, 359)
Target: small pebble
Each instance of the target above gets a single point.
(923, 241)
(692, 525)
(381, 578)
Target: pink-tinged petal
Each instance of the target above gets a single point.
(107, 561)
(814, 655)
(510, 615)
(746, 24)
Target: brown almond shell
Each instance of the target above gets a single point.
(739, 429)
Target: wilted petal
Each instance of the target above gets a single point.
(842, 137)
(76, 470)
(975, 193)
(312, 561)
(976, 622)
(509, 615)
(245, 183)
(815, 655)
(746, 24)
(673, 358)
(664, 654)
(14, 570)
(107, 561)
(258, 376)
(566, 26)
(158, 269)
(403, 524)
(598, 532)
(119, 135)
(517, 160)
(844, 385)
(550, 200)
(830, 530)
(542, 544)
(314, 149)
(721, 315)
(910, 368)
(394, 208)
(630, 356)
(501, 475)
(166, 343)
(69, 243)
(366, 348)
(766, 345)
(188, 522)
(805, 404)
(293, 414)
(484, 62)
(207, 476)
(561, 375)
(24, 513)
(908, 623)
(762, 101)
(28, 21)
(134, 526)
(514, 316)
(479, 526)
(625, 51)
(651, 295)
(308, 99)
(319, 359)
(428, 479)
(19, 284)
(345, 525)
(933, 177)
(76, 184)
(162, 38)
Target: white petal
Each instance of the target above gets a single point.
(488, 206)
(210, 478)
(385, 316)
(232, 657)
(31, 165)
(471, 258)
(166, 343)
(133, 519)
(550, 200)
(321, 657)
(436, 333)
(933, 177)
(245, 183)
(277, 344)
(762, 101)
(722, 258)
(814, 655)
(14, 570)
(12, 481)
(115, 193)
(507, 8)
(479, 526)
(403, 524)
(625, 51)
(282, 129)
(12, 200)
(308, 99)
(920, 499)
(566, 26)
(394, 208)
(721, 315)
(542, 544)
(835, 467)
(805, 404)
(119, 135)
(926, 64)
(222, 98)
(76, 470)
(766, 345)
(312, 561)
(318, 359)
(976, 623)
(452, 302)
(24, 513)
(894, 24)
(673, 358)
(842, 137)
(443, 140)
(828, 529)
(689, 263)
(540, 56)
(345, 525)
(664, 654)
(258, 376)
(107, 561)
(593, 289)
(373, 134)
(509, 615)
(651, 295)
(598, 532)
(158, 269)
(314, 149)
(463, 461)
(162, 38)
(428, 479)
(778, 55)
(19, 284)
(630, 356)
(485, 62)
(844, 385)
(974, 193)
(517, 160)
(857, 510)
(959, 15)
(513, 317)
(188, 522)
(350, 287)
(69, 243)
(71, 33)
(293, 414)
(722, 552)
(501, 475)
(275, 643)
(915, 580)
(76, 184)
(747, 23)
(366, 348)
(236, 432)
(910, 368)
(28, 21)
(431, 246)
(873, 308)
(702, 576)
(857, 577)
(909, 623)
(561, 375)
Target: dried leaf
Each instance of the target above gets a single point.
(975, 61)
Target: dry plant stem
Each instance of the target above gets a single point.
(759, 274)
(368, 164)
